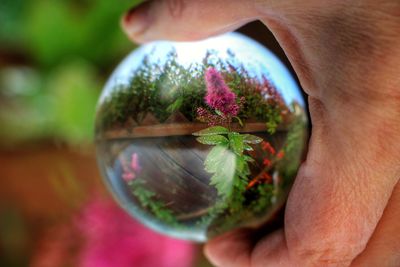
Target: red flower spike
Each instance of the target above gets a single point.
(252, 183)
(266, 177)
(267, 147)
(263, 177)
(267, 162)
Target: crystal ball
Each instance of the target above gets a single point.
(195, 139)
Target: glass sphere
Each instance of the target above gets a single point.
(198, 138)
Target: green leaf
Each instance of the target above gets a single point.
(219, 113)
(252, 139)
(214, 158)
(271, 127)
(247, 147)
(148, 200)
(239, 121)
(74, 96)
(225, 176)
(212, 131)
(176, 105)
(237, 143)
(242, 167)
(222, 183)
(143, 195)
(248, 158)
(212, 140)
(222, 163)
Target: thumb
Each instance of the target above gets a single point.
(182, 20)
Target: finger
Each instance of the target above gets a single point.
(383, 249)
(230, 250)
(236, 249)
(186, 20)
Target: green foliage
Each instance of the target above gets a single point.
(62, 106)
(74, 90)
(230, 169)
(11, 15)
(251, 139)
(227, 163)
(160, 90)
(236, 142)
(127, 101)
(213, 140)
(176, 105)
(239, 120)
(293, 149)
(262, 100)
(221, 163)
(296, 136)
(148, 201)
(214, 158)
(69, 46)
(274, 119)
(167, 88)
(55, 30)
(212, 131)
(20, 87)
(266, 192)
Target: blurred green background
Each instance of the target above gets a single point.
(55, 56)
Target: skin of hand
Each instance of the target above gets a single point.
(344, 207)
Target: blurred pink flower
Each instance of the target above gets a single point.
(135, 162)
(219, 96)
(113, 238)
(132, 169)
(102, 235)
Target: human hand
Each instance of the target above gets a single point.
(344, 207)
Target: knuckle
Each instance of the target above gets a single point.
(176, 7)
(330, 241)
(326, 256)
(327, 245)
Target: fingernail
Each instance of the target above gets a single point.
(136, 20)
